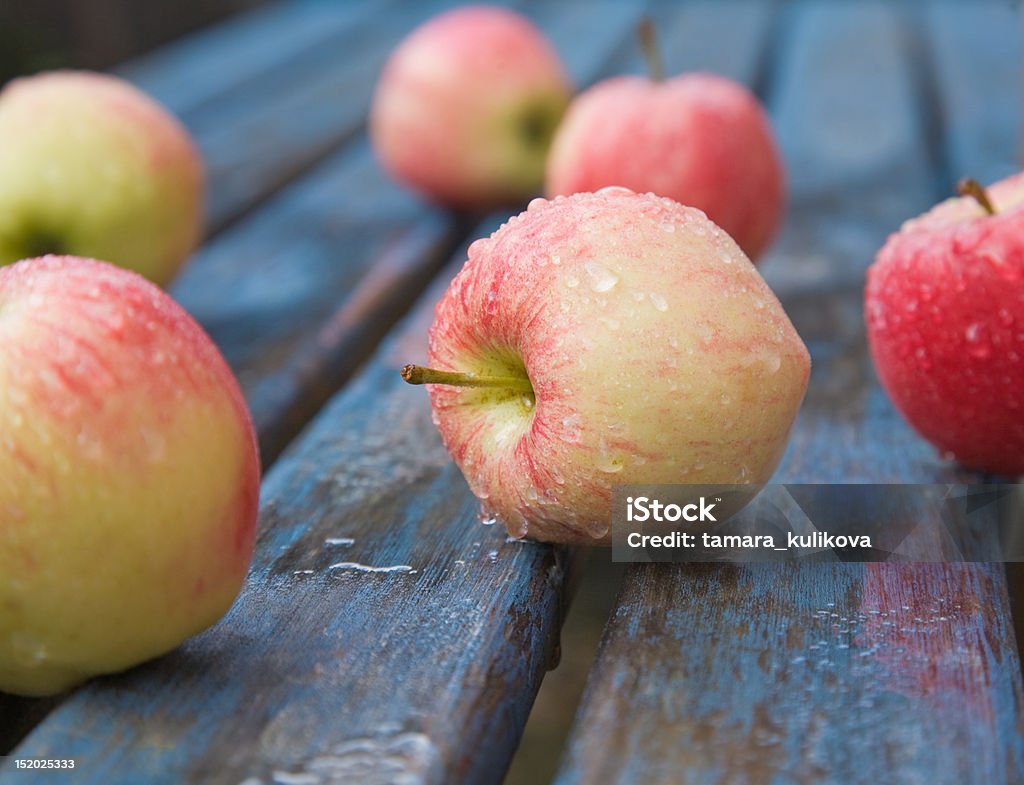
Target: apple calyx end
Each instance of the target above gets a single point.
(417, 374)
(968, 186)
(652, 52)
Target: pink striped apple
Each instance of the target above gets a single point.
(699, 138)
(608, 338)
(466, 107)
(91, 166)
(128, 474)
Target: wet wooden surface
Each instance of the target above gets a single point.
(729, 675)
(845, 673)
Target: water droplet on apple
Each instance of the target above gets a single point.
(726, 258)
(705, 333)
(977, 345)
(28, 651)
(572, 281)
(725, 399)
(743, 474)
(601, 278)
(89, 444)
(597, 529)
(156, 445)
(486, 517)
(556, 259)
(615, 190)
(573, 431)
(1006, 317)
(519, 527)
(536, 204)
(658, 301)
(667, 226)
(491, 305)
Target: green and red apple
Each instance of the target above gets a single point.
(466, 107)
(945, 315)
(608, 338)
(698, 138)
(129, 475)
(91, 166)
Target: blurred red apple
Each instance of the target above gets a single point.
(700, 139)
(466, 107)
(128, 474)
(945, 317)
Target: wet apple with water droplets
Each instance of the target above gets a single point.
(945, 316)
(129, 474)
(602, 339)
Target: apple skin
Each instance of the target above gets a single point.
(656, 352)
(944, 305)
(700, 139)
(466, 106)
(93, 167)
(129, 475)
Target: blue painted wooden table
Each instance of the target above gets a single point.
(318, 279)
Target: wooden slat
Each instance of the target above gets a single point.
(271, 128)
(206, 65)
(820, 673)
(265, 289)
(975, 50)
(431, 672)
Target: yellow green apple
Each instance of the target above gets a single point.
(129, 476)
(91, 166)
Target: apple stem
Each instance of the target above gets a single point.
(651, 50)
(971, 187)
(417, 374)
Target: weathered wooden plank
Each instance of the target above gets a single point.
(429, 672)
(208, 64)
(975, 51)
(970, 47)
(265, 289)
(820, 673)
(277, 125)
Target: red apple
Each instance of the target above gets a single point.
(700, 139)
(466, 107)
(128, 474)
(945, 318)
(608, 338)
(91, 166)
